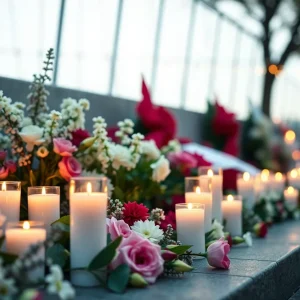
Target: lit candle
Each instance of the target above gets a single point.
(211, 180)
(193, 194)
(10, 197)
(245, 187)
(232, 214)
(19, 236)
(88, 203)
(264, 177)
(258, 187)
(190, 225)
(44, 204)
(278, 182)
(294, 178)
(291, 198)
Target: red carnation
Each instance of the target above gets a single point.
(78, 136)
(260, 229)
(135, 212)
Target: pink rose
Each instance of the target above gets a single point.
(142, 256)
(217, 254)
(182, 159)
(117, 227)
(2, 155)
(3, 172)
(11, 166)
(69, 167)
(63, 147)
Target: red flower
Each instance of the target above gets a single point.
(78, 136)
(229, 240)
(170, 218)
(229, 179)
(184, 161)
(135, 212)
(224, 123)
(260, 229)
(159, 122)
(201, 162)
(231, 146)
(111, 133)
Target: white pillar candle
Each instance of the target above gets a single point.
(265, 181)
(258, 187)
(294, 179)
(211, 180)
(88, 204)
(232, 214)
(19, 236)
(10, 197)
(278, 182)
(190, 226)
(245, 187)
(44, 204)
(291, 197)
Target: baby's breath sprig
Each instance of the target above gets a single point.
(52, 125)
(115, 209)
(125, 130)
(157, 215)
(136, 147)
(38, 94)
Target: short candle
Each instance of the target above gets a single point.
(88, 203)
(291, 197)
(19, 236)
(245, 187)
(211, 180)
(10, 198)
(44, 204)
(232, 214)
(190, 225)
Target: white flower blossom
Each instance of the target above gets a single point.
(120, 157)
(148, 230)
(32, 135)
(161, 169)
(42, 152)
(248, 239)
(218, 229)
(7, 286)
(150, 150)
(56, 284)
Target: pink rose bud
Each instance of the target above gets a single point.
(31, 294)
(260, 229)
(137, 280)
(11, 166)
(217, 254)
(2, 155)
(63, 147)
(168, 255)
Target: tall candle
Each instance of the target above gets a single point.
(258, 187)
(190, 225)
(232, 214)
(211, 180)
(19, 236)
(88, 204)
(291, 197)
(10, 197)
(245, 187)
(278, 182)
(44, 204)
(294, 179)
(265, 181)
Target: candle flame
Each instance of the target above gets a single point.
(26, 225)
(198, 190)
(264, 177)
(290, 137)
(290, 190)
(294, 173)
(89, 187)
(210, 173)
(278, 176)
(230, 198)
(265, 172)
(246, 176)
(190, 206)
(3, 186)
(43, 191)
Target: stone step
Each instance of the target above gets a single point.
(268, 270)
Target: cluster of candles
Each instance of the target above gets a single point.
(205, 202)
(88, 205)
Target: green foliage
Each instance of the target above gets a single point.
(58, 254)
(8, 258)
(180, 249)
(105, 256)
(118, 279)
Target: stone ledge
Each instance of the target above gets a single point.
(268, 270)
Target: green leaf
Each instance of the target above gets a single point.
(118, 279)
(64, 220)
(8, 258)
(118, 193)
(105, 256)
(32, 178)
(179, 250)
(2, 239)
(58, 254)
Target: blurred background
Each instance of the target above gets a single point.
(187, 50)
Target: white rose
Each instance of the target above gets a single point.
(161, 169)
(32, 135)
(121, 157)
(150, 149)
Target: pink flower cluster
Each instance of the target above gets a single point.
(69, 166)
(6, 166)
